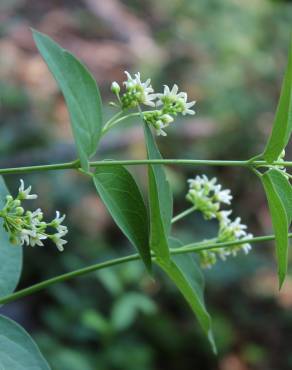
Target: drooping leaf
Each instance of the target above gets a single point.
(122, 197)
(17, 349)
(282, 126)
(279, 199)
(10, 255)
(80, 92)
(183, 270)
(160, 200)
(284, 190)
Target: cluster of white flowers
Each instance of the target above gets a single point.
(171, 102)
(207, 196)
(26, 227)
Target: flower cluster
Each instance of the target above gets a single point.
(26, 227)
(171, 102)
(207, 196)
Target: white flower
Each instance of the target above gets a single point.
(37, 239)
(37, 215)
(24, 237)
(58, 219)
(159, 126)
(222, 196)
(174, 101)
(223, 217)
(223, 253)
(57, 239)
(57, 223)
(141, 91)
(247, 247)
(25, 193)
(238, 228)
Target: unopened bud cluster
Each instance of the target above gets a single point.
(27, 227)
(171, 102)
(207, 197)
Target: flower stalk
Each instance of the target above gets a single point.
(190, 248)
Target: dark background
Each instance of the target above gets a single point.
(229, 55)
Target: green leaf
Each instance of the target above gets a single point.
(10, 255)
(122, 197)
(17, 349)
(183, 270)
(80, 92)
(284, 190)
(160, 201)
(279, 196)
(283, 119)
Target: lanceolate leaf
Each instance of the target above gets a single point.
(284, 190)
(279, 199)
(283, 119)
(121, 195)
(17, 349)
(183, 270)
(10, 255)
(80, 92)
(160, 201)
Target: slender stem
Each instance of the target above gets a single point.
(188, 162)
(44, 284)
(117, 119)
(110, 122)
(135, 114)
(183, 214)
(194, 247)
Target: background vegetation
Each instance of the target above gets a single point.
(228, 55)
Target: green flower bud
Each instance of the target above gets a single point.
(19, 211)
(115, 88)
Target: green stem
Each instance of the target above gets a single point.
(183, 214)
(113, 121)
(194, 247)
(110, 122)
(187, 162)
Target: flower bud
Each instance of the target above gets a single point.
(115, 88)
(19, 211)
(17, 202)
(13, 240)
(9, 198)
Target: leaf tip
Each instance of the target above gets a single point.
(281, 276)
(212, 342)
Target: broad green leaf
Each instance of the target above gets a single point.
(160, 201)
(279, 199)
(284, 190)
(17, 349)
(183, 270)
(122, 197)
(80, 92)
(283, 118)
(10, 255)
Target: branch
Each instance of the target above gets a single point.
(189, 162)
(190, 248)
